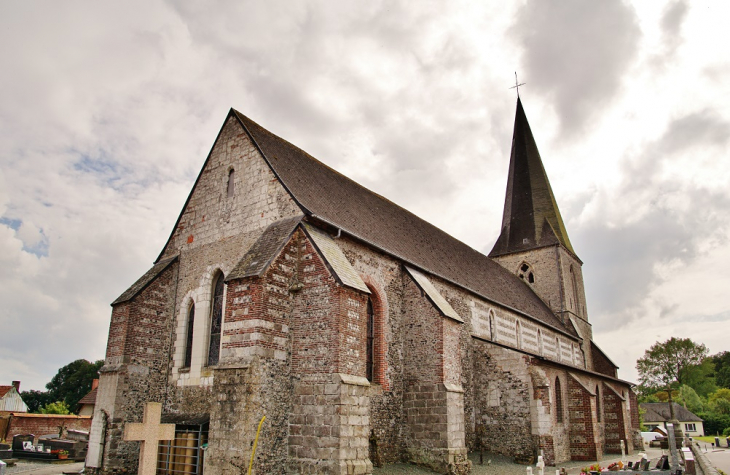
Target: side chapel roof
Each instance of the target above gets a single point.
(531, 216)
(331, 197)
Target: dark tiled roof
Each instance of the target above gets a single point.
(659, 412)
(145, 280)
(335, 199)
(4, 390)
(531, 216)
(89, 398)
(263, 251)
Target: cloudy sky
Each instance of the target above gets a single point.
(108, 110)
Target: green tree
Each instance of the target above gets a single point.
(58, 407)
(700, 377)
(722, 369)
(719, 401)
(689, 398)
(664, 364)
(35, 400)
(73, 381)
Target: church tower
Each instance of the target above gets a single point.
(534, 243)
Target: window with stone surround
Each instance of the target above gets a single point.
(574, 283)
(370, 362)
(558, 401)
(525, 273)
(376, 349)
(216, 320)
(189, 337)
(231, 184)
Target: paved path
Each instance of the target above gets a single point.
(720, 458)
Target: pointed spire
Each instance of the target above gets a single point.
(531, 216)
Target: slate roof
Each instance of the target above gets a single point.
(531, 216)
(263, 251)
(89, 398)
(145, 280)
(333, 198)
(659, 412)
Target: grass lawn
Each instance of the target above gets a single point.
(708, 438)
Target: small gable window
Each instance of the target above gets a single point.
(231, 183)
(216, 321)
(525, 273)
(189, 337)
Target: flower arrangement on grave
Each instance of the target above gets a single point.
(62, 454)
(615, 467)
(592, 469)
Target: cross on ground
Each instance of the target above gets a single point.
(149, 432)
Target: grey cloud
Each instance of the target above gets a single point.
(671, 25)
(577, 53)
(678, 217)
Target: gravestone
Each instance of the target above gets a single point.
(5, 451)
(19, 439)
(149, 433)
(645, 463)
(663, 463)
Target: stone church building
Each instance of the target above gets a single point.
(364, 334)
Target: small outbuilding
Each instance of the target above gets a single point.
(657, 415)
(10, 400)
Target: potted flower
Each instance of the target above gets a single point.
(62, 454)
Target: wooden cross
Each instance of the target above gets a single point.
(149, 432)
(517, 85)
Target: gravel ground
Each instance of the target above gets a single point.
(505, 466)
(41, 468)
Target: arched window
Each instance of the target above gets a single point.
(539, 342)
(575, 290)
(492, 326)
(231, 186)
(525, 273)
(518, 334)
(216, 320)
(598, 404)
(558, 401)
(370, 363)
(189, 337)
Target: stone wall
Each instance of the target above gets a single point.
(43, 424)
(502, 401)
(581, 408)
(613, 413)
(142, 328)
(210, 215)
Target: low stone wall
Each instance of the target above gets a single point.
(703, 462)
(42, 424)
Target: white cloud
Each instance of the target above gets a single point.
(109, 110)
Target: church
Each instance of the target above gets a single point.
(362, 333)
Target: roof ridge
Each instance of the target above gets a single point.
(341, 175)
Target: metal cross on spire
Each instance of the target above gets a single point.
(517, 85)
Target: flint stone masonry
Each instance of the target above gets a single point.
(452, 370)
